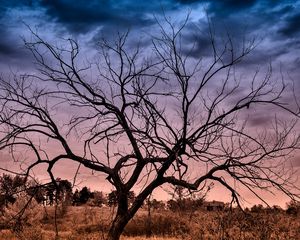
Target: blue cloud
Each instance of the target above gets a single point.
(291, 27)
(82, 16)
(228, 7)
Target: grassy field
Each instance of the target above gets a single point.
(87, 223)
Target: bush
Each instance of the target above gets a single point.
(161, 225)
(293, 208)
(24, 212)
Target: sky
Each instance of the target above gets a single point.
(275, 25)
(275, 22)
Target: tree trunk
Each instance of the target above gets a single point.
(117, 227)
(121, 219)
(149, 230)
(124, 214)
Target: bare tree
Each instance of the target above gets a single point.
(150, 119)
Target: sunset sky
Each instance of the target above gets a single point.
(275, 24)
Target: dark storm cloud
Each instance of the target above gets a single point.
(283, 10)
(222, 8)
(202, 47)
(264, 56)
(108, 16)
(6, 49)
(292, 26)
(7, 4)
(12, 48)
(81, 16)
(6, 46)
(227, 7)
(261, 19)
(187, 2)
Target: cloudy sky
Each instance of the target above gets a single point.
(274, 23)
(277, 23)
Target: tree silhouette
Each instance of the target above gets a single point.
(112, 198)
(160, 116)
(98, 198)
(84, 195)
(37, 191)
(293, 207)
(76, 198)
(52, 193)
(64, 191)
(10, 187)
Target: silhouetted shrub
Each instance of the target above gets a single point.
(161, 225)
(293, 208)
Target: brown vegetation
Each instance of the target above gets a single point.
(86, 222)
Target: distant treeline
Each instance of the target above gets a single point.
(61, 191)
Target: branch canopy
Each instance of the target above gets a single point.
(149, 118)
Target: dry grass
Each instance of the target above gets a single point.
(89, 223)
(151, 238)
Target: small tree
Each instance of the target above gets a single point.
(37, 191)
(293, 207)
(257, 208)
(10, 188)
(165, 118)
(64, 191)
(112, 198)
(75, 199)
(84, 195)
(59, 191)
(98, 199)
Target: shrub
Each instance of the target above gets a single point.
(24, 212)
(293, 208)
(161, 225)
